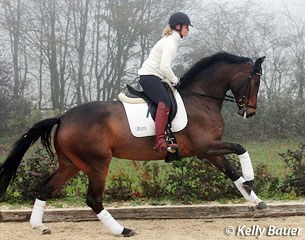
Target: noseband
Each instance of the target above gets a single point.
(241, 102)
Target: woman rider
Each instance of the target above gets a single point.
(158, 67)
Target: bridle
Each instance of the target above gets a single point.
(241, 102)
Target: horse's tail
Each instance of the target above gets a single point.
(40, 130)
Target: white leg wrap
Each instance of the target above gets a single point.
(114, 227)
(37, 213)
(252, 197)
(246, 166)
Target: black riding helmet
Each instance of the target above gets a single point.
(179, 18)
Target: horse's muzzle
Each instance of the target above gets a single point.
(247, 112)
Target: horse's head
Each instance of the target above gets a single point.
(245, 89)
(214, 75)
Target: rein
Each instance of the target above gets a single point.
(226, 98)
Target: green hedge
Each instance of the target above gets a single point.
(187, 181)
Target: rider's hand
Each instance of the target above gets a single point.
(176, 84)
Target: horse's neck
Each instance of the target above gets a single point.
(213, 86)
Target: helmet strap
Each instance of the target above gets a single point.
(179, 29)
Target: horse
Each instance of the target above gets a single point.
(87, 136)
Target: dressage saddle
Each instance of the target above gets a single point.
(152, 109)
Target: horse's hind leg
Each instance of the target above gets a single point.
(64, 172)
(97, 179)
(241, 184)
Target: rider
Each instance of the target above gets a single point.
(158, 67)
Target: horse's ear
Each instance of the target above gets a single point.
(260, 60)
(257, 68)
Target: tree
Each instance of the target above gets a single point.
(12, 111)
(125, 32)
(5, 92)
(49, 36)
(80, 14)
(12, 23)
(296, 43)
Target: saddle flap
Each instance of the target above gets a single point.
(143, 125)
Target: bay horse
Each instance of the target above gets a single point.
(89, 135)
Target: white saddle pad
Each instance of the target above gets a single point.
(141, 123)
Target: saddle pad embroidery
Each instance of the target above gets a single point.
(141, 123)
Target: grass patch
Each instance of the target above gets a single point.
(268, 153)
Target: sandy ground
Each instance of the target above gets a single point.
(196, 229)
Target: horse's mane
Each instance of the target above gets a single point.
(206, 62)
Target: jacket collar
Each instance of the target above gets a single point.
(176, 35)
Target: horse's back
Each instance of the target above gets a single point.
(88, 113)
(90, 123)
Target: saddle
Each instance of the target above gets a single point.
(134, 95)
(152, 107)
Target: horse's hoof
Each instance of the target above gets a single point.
(262, 206)
(46, 231)
(128, 232)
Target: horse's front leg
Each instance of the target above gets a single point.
(218, 148)
(215, 153)
(242, 185)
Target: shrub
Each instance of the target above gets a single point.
(34, 170)
(153, 180)
(295, 164)
(185, 181)
(265, 184)
(119, 187)
(77, 186)
(289, 120)
(192, 179)
(30, 174)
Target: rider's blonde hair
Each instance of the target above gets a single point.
(167, 31)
